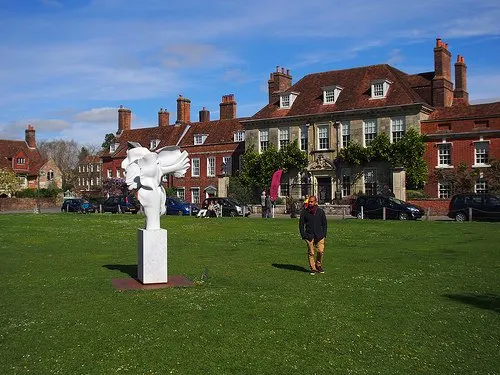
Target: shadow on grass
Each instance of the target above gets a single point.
(291, 267)
(129, 269)
(483, 301)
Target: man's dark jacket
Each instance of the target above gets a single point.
(313, 226)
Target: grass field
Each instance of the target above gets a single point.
(396, 298)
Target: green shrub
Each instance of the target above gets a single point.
(415, 194)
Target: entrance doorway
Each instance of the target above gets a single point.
(324, 190)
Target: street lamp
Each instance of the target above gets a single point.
(37, 208)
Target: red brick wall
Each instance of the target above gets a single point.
(436, 206)
(22, 204)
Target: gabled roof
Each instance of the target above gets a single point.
(465, 111)
(9, 148)
(356, 93)
(217, 131)
(90, 159)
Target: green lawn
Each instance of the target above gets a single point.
(396, 298)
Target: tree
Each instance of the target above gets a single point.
(408, 153)
(65, 155)
(114, 186)
(258, 169)
(9, 183)
(84, 152)
(109, 139)
(492, 176)
(462, 179)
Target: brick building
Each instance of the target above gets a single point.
(214, 147)
(461, 134)
(89, 176)
(24, 159)
(326, 111)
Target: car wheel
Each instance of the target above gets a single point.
(359, 216)
(403, 216)
(460, 216)
(232, 213)
(179, 213)
(134, 212)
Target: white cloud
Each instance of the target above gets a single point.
(106, 114)
(395, 57)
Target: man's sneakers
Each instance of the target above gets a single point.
(313, 272)
(320, 269)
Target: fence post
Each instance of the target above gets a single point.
(470, 213)
(362, 213)
(343, 212)
(383, 213)
(428, 218)
(100, 208)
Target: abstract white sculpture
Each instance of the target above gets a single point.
(144, 170)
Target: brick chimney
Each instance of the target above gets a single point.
(124, 119)
(30, 136)
(204, 115)
(227, 107)
(183, 110)
(279, 81)
(442, 87)
(163, 117)
(461, 81)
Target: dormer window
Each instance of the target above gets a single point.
(239, 136)
(113, 147)
(199, 139)
(380, 88)
(154, 143)
(287, 99)
(331, 94)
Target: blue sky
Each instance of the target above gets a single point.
(67, 65)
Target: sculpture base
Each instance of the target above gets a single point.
(174, 281)
(152, 256)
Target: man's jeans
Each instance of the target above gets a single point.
(320, 248)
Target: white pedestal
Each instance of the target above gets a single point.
(152, 256)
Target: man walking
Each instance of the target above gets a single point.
(263, 204)
(313, 230)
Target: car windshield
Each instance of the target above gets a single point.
(178, 200)
(395, 200)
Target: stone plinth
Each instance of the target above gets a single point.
(152, 256)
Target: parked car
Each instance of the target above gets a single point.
(77, 205)
(394, 208)
(228, 206)
(121, 203)
(482, 206)
(177, 206)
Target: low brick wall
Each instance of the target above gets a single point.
(438, 207)
(23, 204)
(330, 209)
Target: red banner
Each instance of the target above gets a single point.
(275, 184)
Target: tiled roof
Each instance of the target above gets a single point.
(356, 93)
(90, 159)
(465, 111)
(9, 148)
(217, 131)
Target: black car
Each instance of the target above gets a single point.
(77, 205)
(394, 208)
(121, 204)
(474, 206)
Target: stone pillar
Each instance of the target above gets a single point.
(152, 256)
(222, 186)
(399, 183)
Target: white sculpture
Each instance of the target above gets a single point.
(144, 170)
